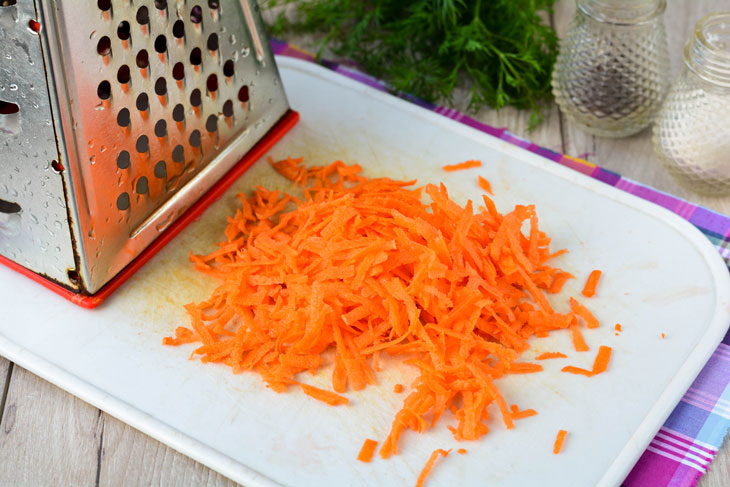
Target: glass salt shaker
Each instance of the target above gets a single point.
(612, 72)
(692, 131)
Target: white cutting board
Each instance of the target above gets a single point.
(660, 276)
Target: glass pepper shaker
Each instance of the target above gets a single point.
(692, 132)
(612, 72)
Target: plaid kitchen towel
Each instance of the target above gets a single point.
(684, 447)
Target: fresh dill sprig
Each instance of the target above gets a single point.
(501, 50)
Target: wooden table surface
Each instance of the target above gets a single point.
(49, 437)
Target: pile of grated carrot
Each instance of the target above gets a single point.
(365, 267)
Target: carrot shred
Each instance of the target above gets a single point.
(579, 343)
(577, 370)
(664, 336)
(398, 388)
(461, 451)
(559, 281)
(583, 312)
(462, 165)
(361, 267)
(603, 357)
(559, 440)
(328, 397)
(526, 413)
(485, 185)
(429, 465)
(523, 368)
(618, 328)
(367, 451)
(549, 355)
(590, 288)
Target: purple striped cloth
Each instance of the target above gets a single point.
(684, 447)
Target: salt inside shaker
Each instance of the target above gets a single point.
(612, 72)
(692, 131)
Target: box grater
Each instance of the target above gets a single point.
(116, 118)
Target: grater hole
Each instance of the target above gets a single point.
(123, 160)
(196, 15)
(161, 170)
(178, 29)
(178, 71)
(123, 31)
(178, 154)
(212, 83)
(143, 59)
(161, 87)
(195, 140)
(161, 44)
(143, 102)
(104, 5)
(104, 46)
(211, 125)
(196, 57)
(161, 128)
(57, 166)
(123, 118)
(161, 4)
(143, 16)
(74, 277)
(178, 113)
(123, 75)
(243, 94)
(196, 98)
(142, 186)
(228, 69)
(228, 109)
(123, 202)
(213, 42)
(104, 91)
(143, 144)
(214, 4)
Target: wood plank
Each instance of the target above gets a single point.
(634, 157)
(718, 474)
(131, 458)
(6, 370)
(47, 436)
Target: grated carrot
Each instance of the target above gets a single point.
(367, 451)
(485, 185)
(618, 328)
(398, 388)
(590, 288)
(462, 165)
(559, 440)
(430, 464)
(364, 267)
(664, 336)
(549, 355)
(461, 451)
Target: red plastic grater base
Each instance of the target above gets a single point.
(89, 302)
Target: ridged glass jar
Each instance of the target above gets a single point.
(692, 131)
(612, 72)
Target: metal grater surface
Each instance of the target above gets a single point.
(154, 102)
